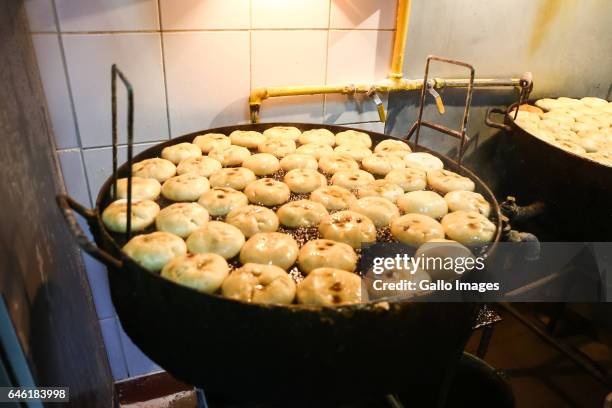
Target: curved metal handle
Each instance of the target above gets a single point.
(67, 204)
(493, 124)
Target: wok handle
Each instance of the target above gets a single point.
(67, 204)
(494, 124)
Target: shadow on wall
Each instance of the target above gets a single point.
(358, 11)
(229, 111)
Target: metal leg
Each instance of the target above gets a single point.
(201, 398)
(485, 340)
(554, 318)
(394, 401)
(578, 358)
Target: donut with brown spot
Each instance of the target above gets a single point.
(216, 237)
(304, 180)
(255, 283)
(236, 177)
(446, 181)
(159, 169)
(144, 212)
(186, 187)
(467, 201)
(218, 201)
(153, 251)
(329, 287)
(268, 192)
(352, 179)
(181, 219)
(210, 141)
(180, 151)
(349, 227)
(202, 272)
(333, 197)
(416, 229)
(321, 253)
(468, 227)
(301, 213)
(270, 248)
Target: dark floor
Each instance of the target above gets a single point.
(541, 376)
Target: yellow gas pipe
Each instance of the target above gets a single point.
(395, 82)
(399, 43)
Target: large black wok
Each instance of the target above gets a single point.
(576, 192)
(256, 352)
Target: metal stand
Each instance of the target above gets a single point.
(581, 360)
(428, 85)
(115, 72)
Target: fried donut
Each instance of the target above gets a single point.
(153, 251)
(181, 219)
(219, 201)
(468, 227)
(186, 187)
(270, 248)
(218, 238)
(202, 272)
(333, 197)
(255, 283)
(329, 287)
(143, 215)
(445, 181)
(252, 219)
(416, 229)
(423, 202)
(142, 188)
(179, 152)
(301, 213)
(159, 169)
(268, 192)
(321, 253)
(349, 227)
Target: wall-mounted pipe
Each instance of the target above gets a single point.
(399, 43)
(260, 94)
(396, 82)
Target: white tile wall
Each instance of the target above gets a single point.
(195, 62)
(291, 58)
(40, 15)
(89, 59)
(192, 64)
(107, 15)
(205, 15)
(370, 52)
(99, 164)
(49, 56)
(290, 14)
(363, 14)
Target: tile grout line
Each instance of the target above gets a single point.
(116, 325)
(121, 346)
(136, 144)
(163, 61)
(71, 97)
(188, 30)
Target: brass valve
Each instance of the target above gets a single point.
(380, 107)
(439, 104)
